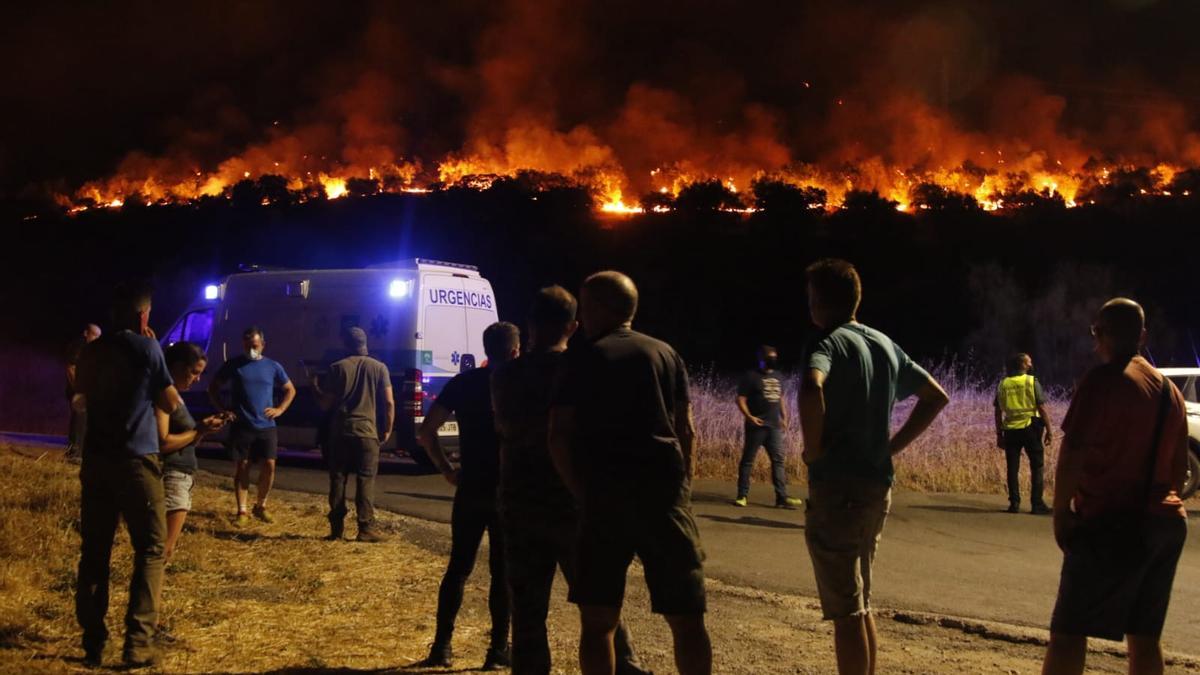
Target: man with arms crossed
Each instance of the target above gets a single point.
(121, 378)
(621, 437)
(354, 390)
(536, 510)
(253, 437)
(1117, 513)
(854, 377)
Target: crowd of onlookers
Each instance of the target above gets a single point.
(579, 459)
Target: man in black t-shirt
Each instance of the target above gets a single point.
(468, 396)
(537, 511)
(621, 436)
(760, 400)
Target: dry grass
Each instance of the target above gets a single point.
(267, 597)
(276, 598)
(957, 454)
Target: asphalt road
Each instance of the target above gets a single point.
(959, 555)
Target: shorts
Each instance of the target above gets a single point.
(667, 542)
(253, 444)
(1116, 586)
(177, 490)
(843, 522)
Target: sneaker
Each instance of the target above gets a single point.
(789, 503)
(337, 532)
(497, 658)
(164, 637)
(1014, 508)
(93, 658)
(260, 512)
(242, 520)
(439, 657)
(741, 501)
(370, 536)
(1040, 510)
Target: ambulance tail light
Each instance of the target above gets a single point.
(412, 395)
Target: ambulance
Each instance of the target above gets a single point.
(424, 319)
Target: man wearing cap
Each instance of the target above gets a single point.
(355, 389)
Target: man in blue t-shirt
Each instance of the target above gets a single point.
(853, 378)
(120, 379)
(253, 439)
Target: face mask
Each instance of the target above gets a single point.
(254, 354)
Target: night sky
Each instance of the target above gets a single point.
(86, 84)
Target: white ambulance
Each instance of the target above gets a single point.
(423, 318)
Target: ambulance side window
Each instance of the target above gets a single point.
(198, 328)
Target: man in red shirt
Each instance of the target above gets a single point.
(1117, 513)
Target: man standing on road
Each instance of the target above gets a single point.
(354, 390)
(469, 397)
(1117, 513)
(854, 377)
(760, 400)
(253, 438)
(121, 378)
(537, 511)
(621, 437)
(78, 421)
(1022, 423)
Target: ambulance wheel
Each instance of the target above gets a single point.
(1193, 475)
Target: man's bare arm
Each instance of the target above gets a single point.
(562, 431)
(289, 395)
(745, 408)
(438, 414)
(1048, 432)
(1067, 475)
(71, 376)
(999, 427)
(389, 414)
(685, 429)
(168, 399)
(811, 402)
(931, 398)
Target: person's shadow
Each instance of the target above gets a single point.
(754, 521)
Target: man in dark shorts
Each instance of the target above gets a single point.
(469, 398)
(621, 438)
(1022, 423)
(760, 400)
(78, 421)
(536, 510)
(853, 378)
(253, 438)
(121, 378)
(1118, 517)
(354, 391)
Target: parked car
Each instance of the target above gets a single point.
(1187, 380)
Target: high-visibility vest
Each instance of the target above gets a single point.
(1018, 401)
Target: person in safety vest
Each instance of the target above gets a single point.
(1022, 424)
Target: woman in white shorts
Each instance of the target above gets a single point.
(178, 435)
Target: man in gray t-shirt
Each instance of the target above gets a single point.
(854, 377)
(354, 391)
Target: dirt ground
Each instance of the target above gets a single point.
(277, 598)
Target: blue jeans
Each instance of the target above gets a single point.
(772, 439)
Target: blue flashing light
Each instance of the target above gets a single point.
(399, 288)
(212, 292)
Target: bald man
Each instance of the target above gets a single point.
(78, 423)
(1118, 517)
(621, 436)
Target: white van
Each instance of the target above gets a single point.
(423, 318)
